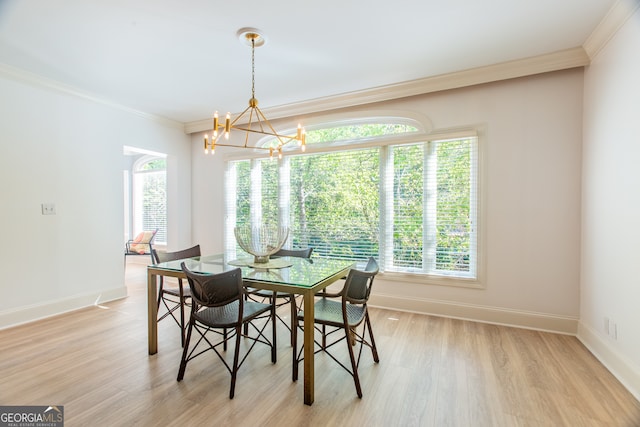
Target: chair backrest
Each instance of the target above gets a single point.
(357, 287)
(161, 256)
(299, 253)
(143, 242)
(215, 290)
(153, 236)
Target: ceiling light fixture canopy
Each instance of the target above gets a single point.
(256, 121)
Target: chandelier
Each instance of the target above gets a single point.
(252, 120)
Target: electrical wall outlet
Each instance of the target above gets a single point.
(48, 209)
(610, 328)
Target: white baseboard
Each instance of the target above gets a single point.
(521, 319)
(621, 367)
(26, 314)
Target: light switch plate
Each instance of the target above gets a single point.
(48, 209)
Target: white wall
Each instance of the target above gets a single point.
(610, 271)
(208, 197)
(64, 149)
(531, 198)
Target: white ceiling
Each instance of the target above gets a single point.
(182, 59)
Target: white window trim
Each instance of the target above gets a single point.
(442, 279)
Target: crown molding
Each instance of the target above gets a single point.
(32, 79)
(555, 61)
(619, 13)
(561, 60)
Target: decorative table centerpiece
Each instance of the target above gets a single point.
(261, 241)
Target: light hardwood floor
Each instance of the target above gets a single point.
(433, 372)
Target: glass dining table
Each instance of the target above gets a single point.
(292, 275)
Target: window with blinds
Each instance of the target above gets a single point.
(150, 198)
(154, 204)
(412, 206)
(334, 203)
(431, 227)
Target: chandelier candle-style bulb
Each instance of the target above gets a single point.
(303, 140)
(215, 125)
(206, 144)
(227, 126)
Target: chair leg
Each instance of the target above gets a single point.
(274, 348)
(324, 337)
(354, 365)
(183, 360)
(294, 313)
(182, 302)
(374, 349)
(294, 346)
(246, 325)
(234, 372)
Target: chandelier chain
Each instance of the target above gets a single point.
(253, 68)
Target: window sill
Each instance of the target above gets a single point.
(430, 279)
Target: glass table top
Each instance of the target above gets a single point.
(300, 272)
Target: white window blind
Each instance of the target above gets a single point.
(412, 206)
(150, 203)
(432, 224)
(334, 203)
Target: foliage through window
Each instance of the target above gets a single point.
(410, 205)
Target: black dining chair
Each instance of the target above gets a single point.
(343, 311)
(174, 298)
(218, 306)
(281, 298)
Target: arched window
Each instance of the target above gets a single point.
(357, 131)
(384, 189)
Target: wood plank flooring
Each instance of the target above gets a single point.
(432, 372)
